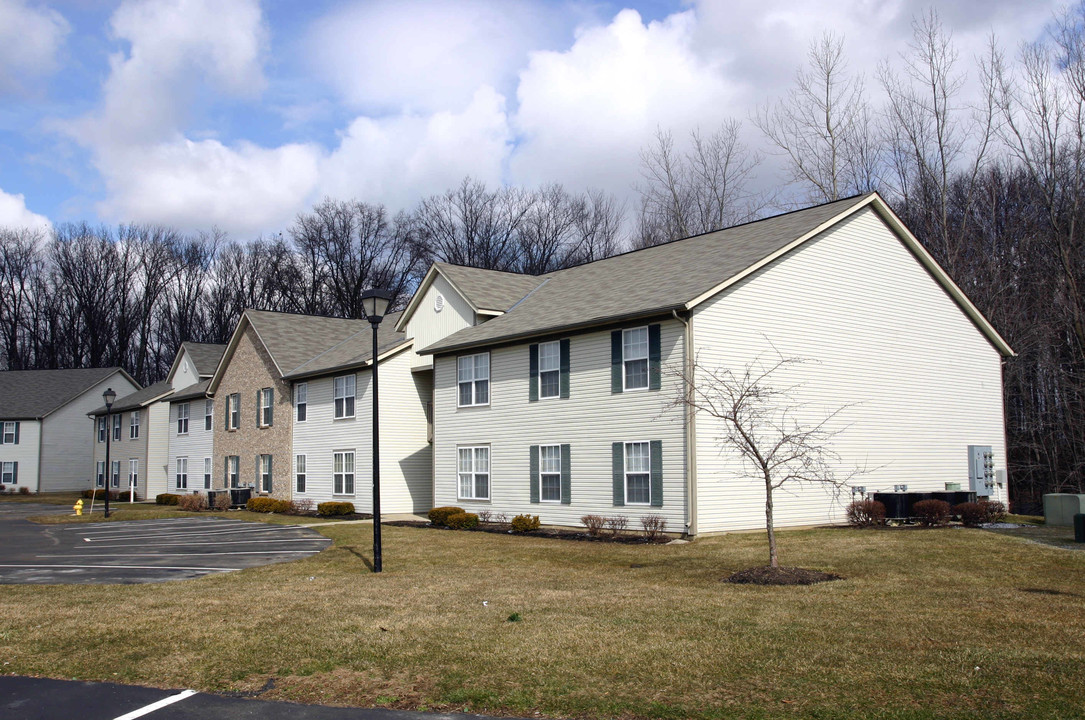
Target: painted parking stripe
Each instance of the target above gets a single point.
(121, 567)
(147, 709)
(217, 543)
(181, 554)
(186, 534)
(115, 526)
(133, 529)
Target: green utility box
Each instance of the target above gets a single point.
(1060, 508)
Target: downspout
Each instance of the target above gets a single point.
(691, 431)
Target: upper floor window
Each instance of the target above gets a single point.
(182, 419)
(549, 369)
(264, 401)
(301, 401)
(101, 429)
(10, 434)
(208, 413)
(343, 393)
(118, 422)
(635, 358)
(233, 411)
(133, 426)
(473, 376)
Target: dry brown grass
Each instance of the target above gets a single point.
(927, 623)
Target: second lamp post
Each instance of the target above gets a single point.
(375, 304)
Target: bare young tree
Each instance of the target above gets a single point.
(764, 424)
(823, 126)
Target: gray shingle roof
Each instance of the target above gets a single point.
(192, 392)
(206, 356)
(307, 345)
(34, 394)
(136, 400)
(639, 283)
(490, 289)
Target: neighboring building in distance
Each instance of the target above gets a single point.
(44, 440)
(190, 424)
(137, 442)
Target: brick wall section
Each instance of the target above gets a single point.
(250, 369)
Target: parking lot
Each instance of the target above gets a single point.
(143, 550)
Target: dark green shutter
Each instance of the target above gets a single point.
(654, 357)
(15, 471)
(618, 452)
(534, 465)
(656, 450)
(271, 407)
(616, 361)
(533, 363)
(258, 393)
(270, 473)
(565, 369)
(16, 433)
(566, 475)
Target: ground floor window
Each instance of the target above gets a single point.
(100, 473)
(264, 468)
(474, 473)
(115, 474)
(182, 473)
(233, 471)
(9, 473)
(550, 473)
(207, 473)
(638, 477)
(133, 474)
(299, 473)
(343, 472)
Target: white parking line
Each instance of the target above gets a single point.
(156, 705)
(217, 543)
(134, 524)
(123, 567)
(180, 554)
(187, 533)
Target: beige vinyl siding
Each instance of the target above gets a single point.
(880, 334)
(186, 373)
(155, 419)
(589, 420)
(406, 485)
(427, 326)
(125, 449)
(25, 453)
(198, 444)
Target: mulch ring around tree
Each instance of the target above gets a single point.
(768, 575)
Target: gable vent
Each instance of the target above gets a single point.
(439, 302)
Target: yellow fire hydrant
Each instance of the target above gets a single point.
(78, 507)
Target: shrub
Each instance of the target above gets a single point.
(123, 496)
(654, 526)
(193, 502)
(484, 516)
(98, 494)
(617, 524)
(439, 515)
(994, 510)
(864, 513)
(525, 523)
(24, 490)
(301, 507)
(594, 524)
(223, 501)
(166, 499)
(268, 505)
(462, 521)
(335, 508)
(931, 513)
(971, 514)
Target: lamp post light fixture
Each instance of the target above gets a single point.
(109, 396)
(375, 304)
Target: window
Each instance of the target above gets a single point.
(133, 426)
(233, 411)
(208, 413)
(473, 374)
(233, 471)
(118, 421)
(299, 473)
(635, 358)
(100, 473)
(101, 429)
(115, 473)
(343, 472)
(182, 473)
(550, 473)
(182, 419)
(301, 400)
(9, 473)
(474, 473)
(263, 469)
(264, 399)
(550, 369)
(343, 392)
(207, 473)
(10, 434)
(133, 474)
(638, 478)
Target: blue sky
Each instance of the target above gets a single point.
(239, 115)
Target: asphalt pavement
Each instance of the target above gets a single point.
(141, 551)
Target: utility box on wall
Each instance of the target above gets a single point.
(981, 470)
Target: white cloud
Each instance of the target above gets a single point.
(15, 214)
(427, 55)
(29, 40)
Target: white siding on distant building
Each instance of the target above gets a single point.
(124, 450)
(186, 374)
(196, 445)
(428, 325)
(881, 335)
(589, 420)
(156, 420)
(25, 453)
(405, 452)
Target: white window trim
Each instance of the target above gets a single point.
(115, 474)
(305, 472)
(541, 473)
(177, 475)
(208, 415)
(260, 484)
(100, 479)
(233, 471)
(647, 358)
(101, 429)
(118, 427)
(266, 396)
(133, 477)
(474, 472)
(474, 393)
(5, 432)
(354, 482)
(4, 473)
(626, 473)
(186, 418)
(539, 379)
(297, 388)
(353, 395)
(233, 407)
(133, 425)
(208, 473)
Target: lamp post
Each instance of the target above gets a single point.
(375, 304)
(109, 396)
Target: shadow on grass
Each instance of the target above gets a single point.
(353, 550)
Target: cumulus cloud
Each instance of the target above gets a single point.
(15, 214)
(427, 55)
(29, 40)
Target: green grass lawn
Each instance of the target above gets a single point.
(948, 623)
